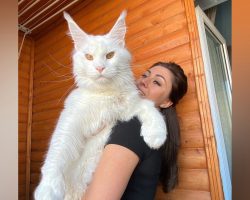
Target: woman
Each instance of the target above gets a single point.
(128, 168)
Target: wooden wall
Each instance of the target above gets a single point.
(158, 30)
(24, 84)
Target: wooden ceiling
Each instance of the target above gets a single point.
(37, 16)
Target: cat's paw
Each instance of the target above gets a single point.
(50, 190)
(154, 134)
(153, 129)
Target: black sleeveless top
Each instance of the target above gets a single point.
(143, 182)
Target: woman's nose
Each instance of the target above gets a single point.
(144, 82)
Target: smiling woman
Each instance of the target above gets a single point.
(155, 84)
(170, 84)
(132, 172)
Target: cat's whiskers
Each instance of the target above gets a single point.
(121, 76)
(67, 92)
(56, 73)
(57, 62)
(58, 81)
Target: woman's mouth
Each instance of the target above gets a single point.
(141, 93)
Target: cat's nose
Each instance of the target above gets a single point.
(100, 69)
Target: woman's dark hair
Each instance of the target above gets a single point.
(169, 168)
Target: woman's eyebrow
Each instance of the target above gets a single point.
(157, 75)
(161, 77)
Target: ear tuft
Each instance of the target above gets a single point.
(118, 31)
(123, 14)
(66, 16)
(78, 35)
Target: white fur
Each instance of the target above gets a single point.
(90, 112)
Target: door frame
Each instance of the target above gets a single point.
(202, 21)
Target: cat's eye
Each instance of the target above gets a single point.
(89, 57)
(110, 55)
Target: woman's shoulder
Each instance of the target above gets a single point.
(132, 125)
(127, 134)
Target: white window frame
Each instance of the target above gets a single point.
(202, 21)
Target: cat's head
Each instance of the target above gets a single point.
(99, 60)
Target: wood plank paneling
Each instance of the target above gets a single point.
(158, 30)
(192, 158)
(192, 138)
(204, 107)
(181, 194)
(24, 65)
(193, 179)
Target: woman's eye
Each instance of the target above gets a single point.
(89, 57)
(144, 76)
(157, 83)
(110, 55)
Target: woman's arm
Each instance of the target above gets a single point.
(112, 173)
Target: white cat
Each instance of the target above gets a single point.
(105, 93)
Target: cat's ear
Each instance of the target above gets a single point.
(78, 35)
(119, 29)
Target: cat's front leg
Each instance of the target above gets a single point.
(50, 188)
(65, 146)
(153, 129)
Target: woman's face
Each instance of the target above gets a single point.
(156, 84)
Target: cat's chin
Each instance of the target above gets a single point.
(102, 79)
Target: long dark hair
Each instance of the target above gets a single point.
(169, 169)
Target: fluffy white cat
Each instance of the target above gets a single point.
(105, 93)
